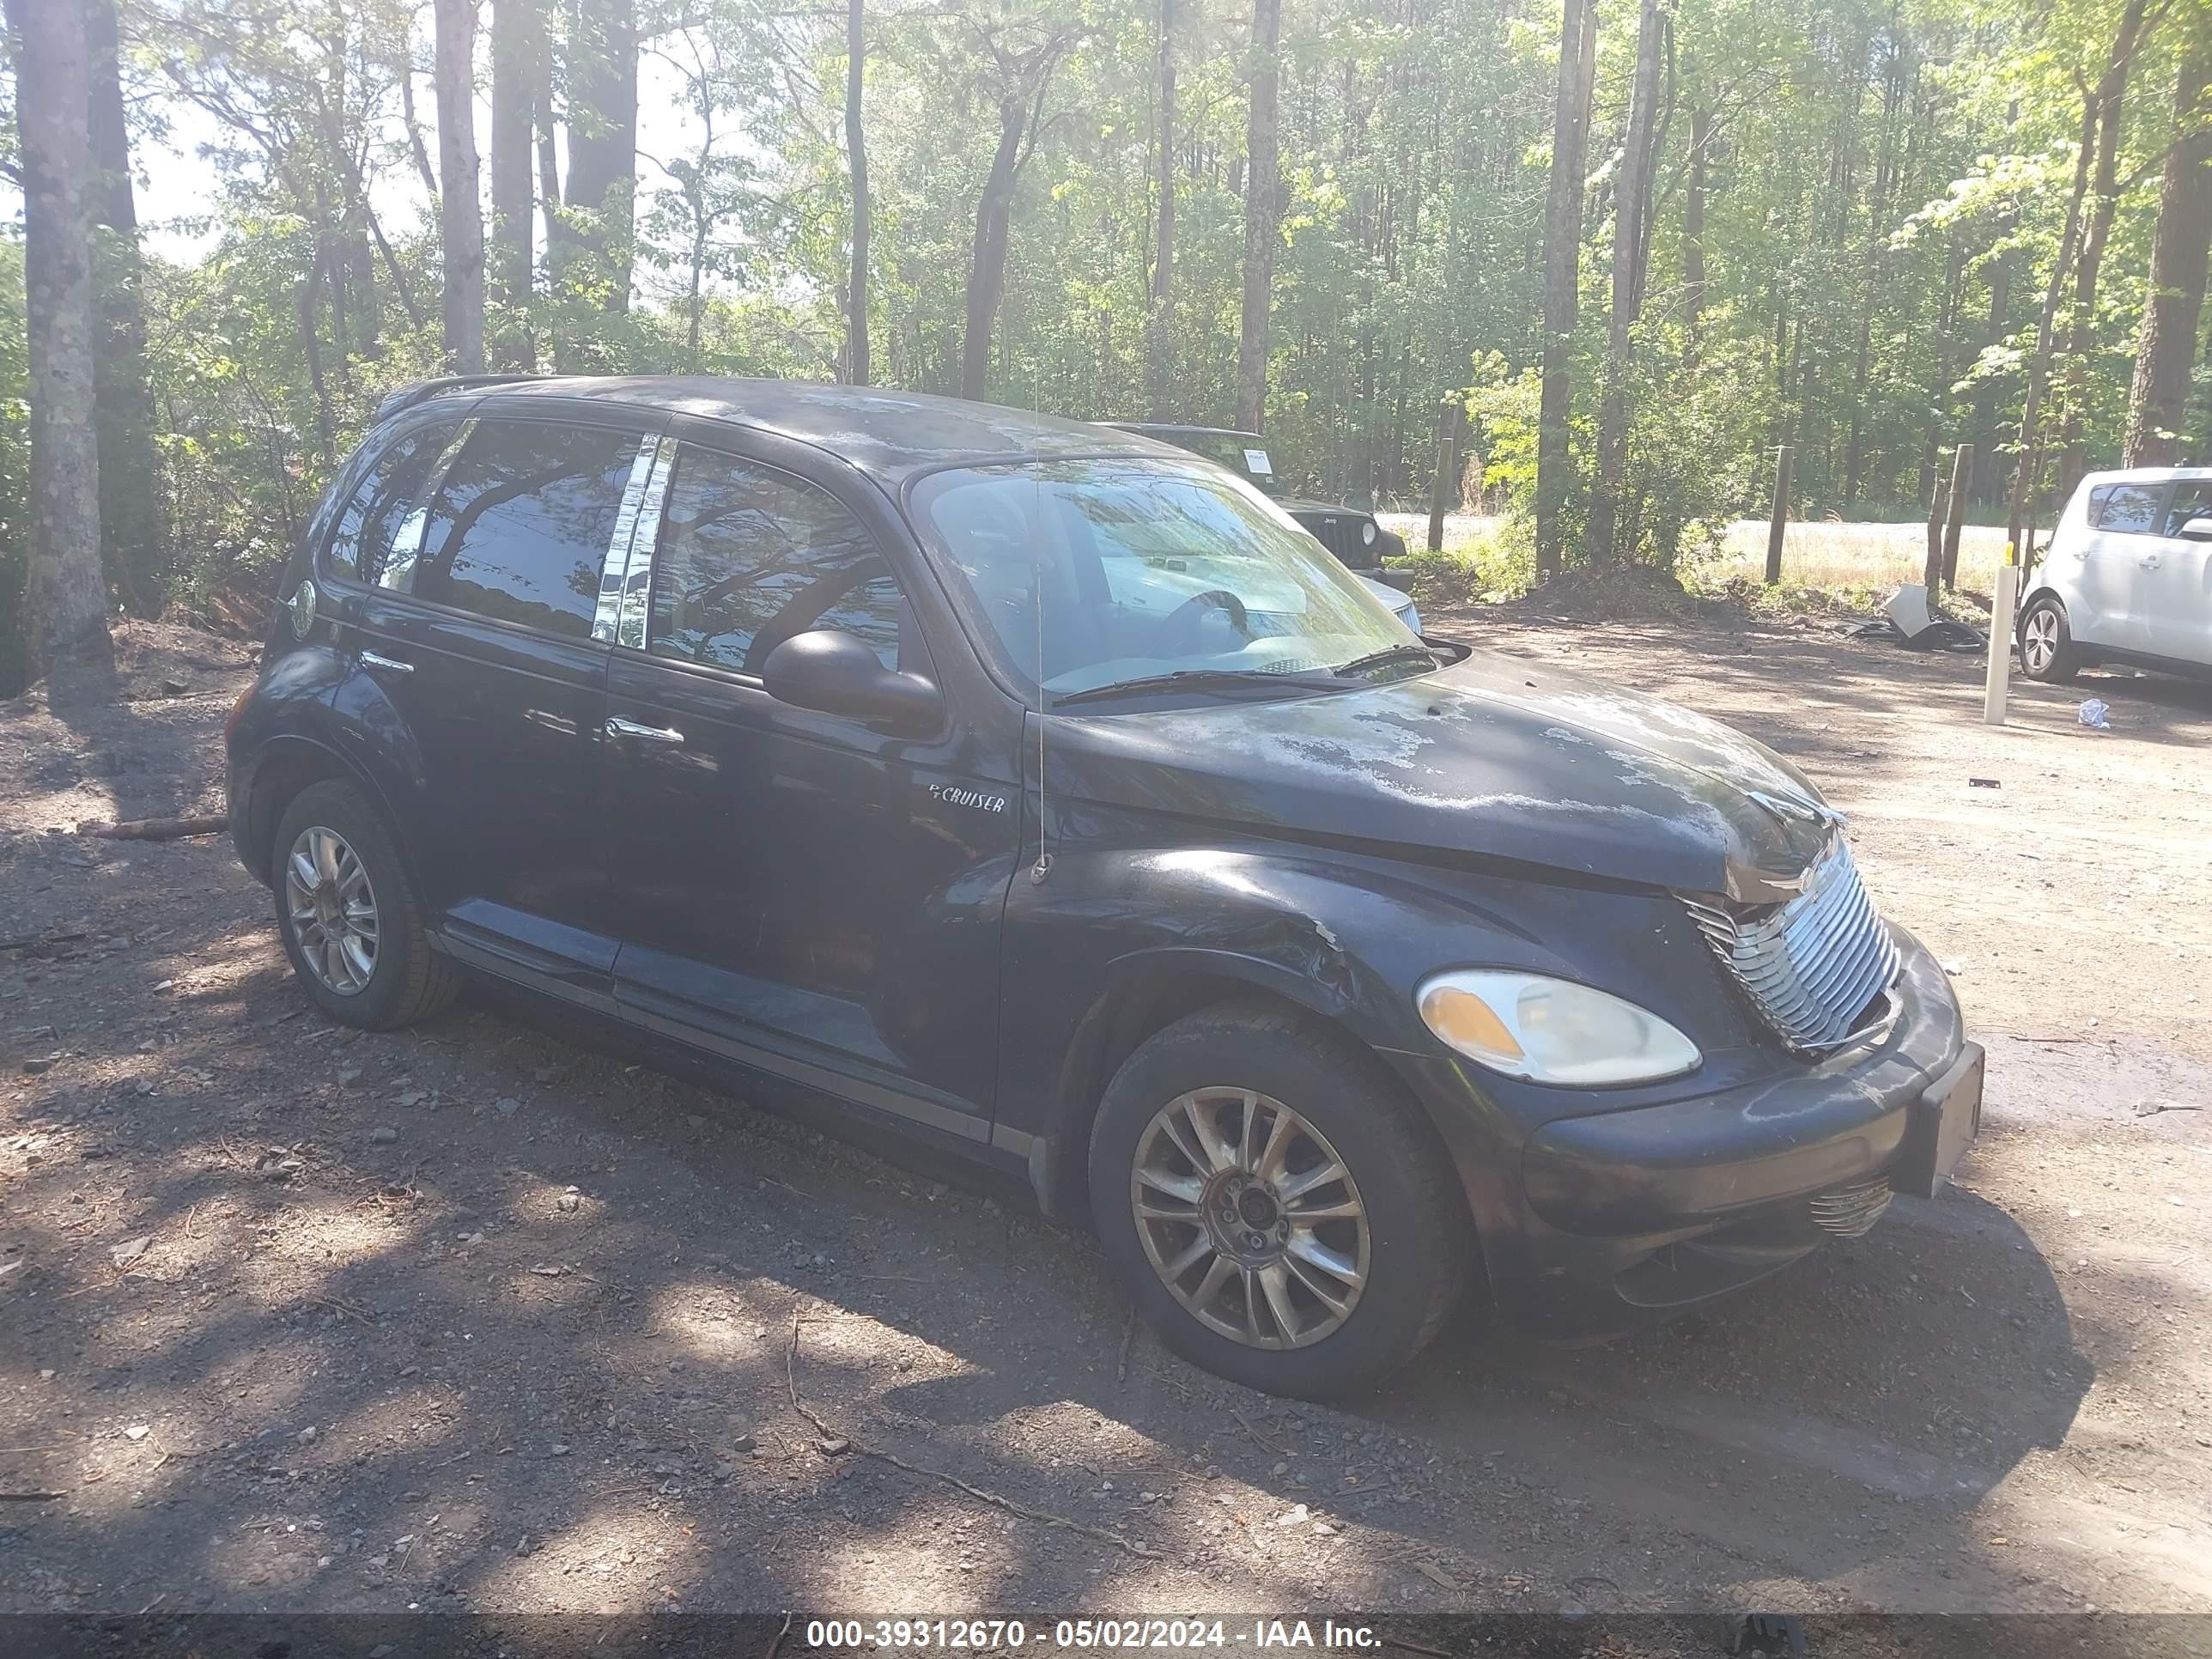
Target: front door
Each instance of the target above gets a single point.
(808, 895)
(477, 632)
(2177, 586)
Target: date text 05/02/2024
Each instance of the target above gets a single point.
(993, 1635)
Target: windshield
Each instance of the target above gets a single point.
(1145, 567)
(1244, 453)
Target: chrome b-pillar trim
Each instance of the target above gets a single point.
(615, 561)
(637, 582)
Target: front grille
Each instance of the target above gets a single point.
(1816, 968)
(1850, 1211)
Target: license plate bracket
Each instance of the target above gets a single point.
(1942, 1123)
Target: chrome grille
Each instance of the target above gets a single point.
(1850, 1211)
(1811, 967)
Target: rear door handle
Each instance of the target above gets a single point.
(618, 727)
(377, 660)
(2150, 562)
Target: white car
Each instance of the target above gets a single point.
(2128, 578)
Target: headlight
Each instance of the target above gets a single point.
(1367, 533)
(1411, 615)
(1551, 1030)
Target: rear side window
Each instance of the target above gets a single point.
(747, 557)
(2129, 508)
(380, 502)
(2190, 501)
(521, 524)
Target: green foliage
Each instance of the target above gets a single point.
(1885, 186)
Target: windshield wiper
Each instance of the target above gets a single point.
(1194, 679)
(1387, 654)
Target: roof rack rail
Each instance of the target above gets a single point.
(408, 396)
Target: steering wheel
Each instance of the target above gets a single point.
(1181, 618)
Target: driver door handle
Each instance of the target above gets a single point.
(618, 727)
(390, 665)
(2150, 561)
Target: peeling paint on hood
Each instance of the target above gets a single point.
(1494, 757)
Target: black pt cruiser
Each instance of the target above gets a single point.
(1044, 791)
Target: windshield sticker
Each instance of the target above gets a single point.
(1255, 460)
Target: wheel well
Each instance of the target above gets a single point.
(1114, 1029)
(277, 781)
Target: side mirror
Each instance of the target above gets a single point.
(2198, 528)
(828, 669)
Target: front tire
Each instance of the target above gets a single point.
(349, 917)
(2046, 643)
(1277, 1212)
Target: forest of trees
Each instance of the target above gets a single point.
(1644, 242)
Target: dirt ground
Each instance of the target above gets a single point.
(469, 1317)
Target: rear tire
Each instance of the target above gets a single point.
(1261, 1270)
(350, 920)
(2046, 643)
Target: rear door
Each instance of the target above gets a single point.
(2177, 580)
(477, 633)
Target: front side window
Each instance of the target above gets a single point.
(1090, 573)
(748, 557)
(380, 504)
(522, 522)
(2191, 499)
(2129, 508)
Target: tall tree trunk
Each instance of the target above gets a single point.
(602, 140)
(1630, 248)
(1562, 226)
(518, 43)
(2111, 88)
(64, 599)
(418, 146)
(549, 157)
(856, 155)
(1693, 238)
(1160, 326)
(131, 539)
(986, 268)
(2039, 365)
(461, 210)
(1263, 215)
(2158, 401)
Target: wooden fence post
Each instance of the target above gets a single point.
(1962, 471)
(1932, 577)
(1780, 521)
(1451, 422)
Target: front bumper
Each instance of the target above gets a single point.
(1617, 1213)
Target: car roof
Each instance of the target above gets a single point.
(888, 433)
(1160, 428)
(2146, 475)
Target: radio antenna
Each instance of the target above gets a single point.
(1042, 868)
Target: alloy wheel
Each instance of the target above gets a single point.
(333, 909)
(1249, 1217)
(2038, 641)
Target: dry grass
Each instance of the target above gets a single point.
(1843, 558)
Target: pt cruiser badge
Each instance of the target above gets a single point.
(955, 794)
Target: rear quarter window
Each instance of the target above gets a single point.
(381, 502)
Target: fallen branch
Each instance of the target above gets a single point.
(156, 829)
(34, 941)
(1044, 1518)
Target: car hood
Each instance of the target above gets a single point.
(1494, 757)
(1297, 504)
